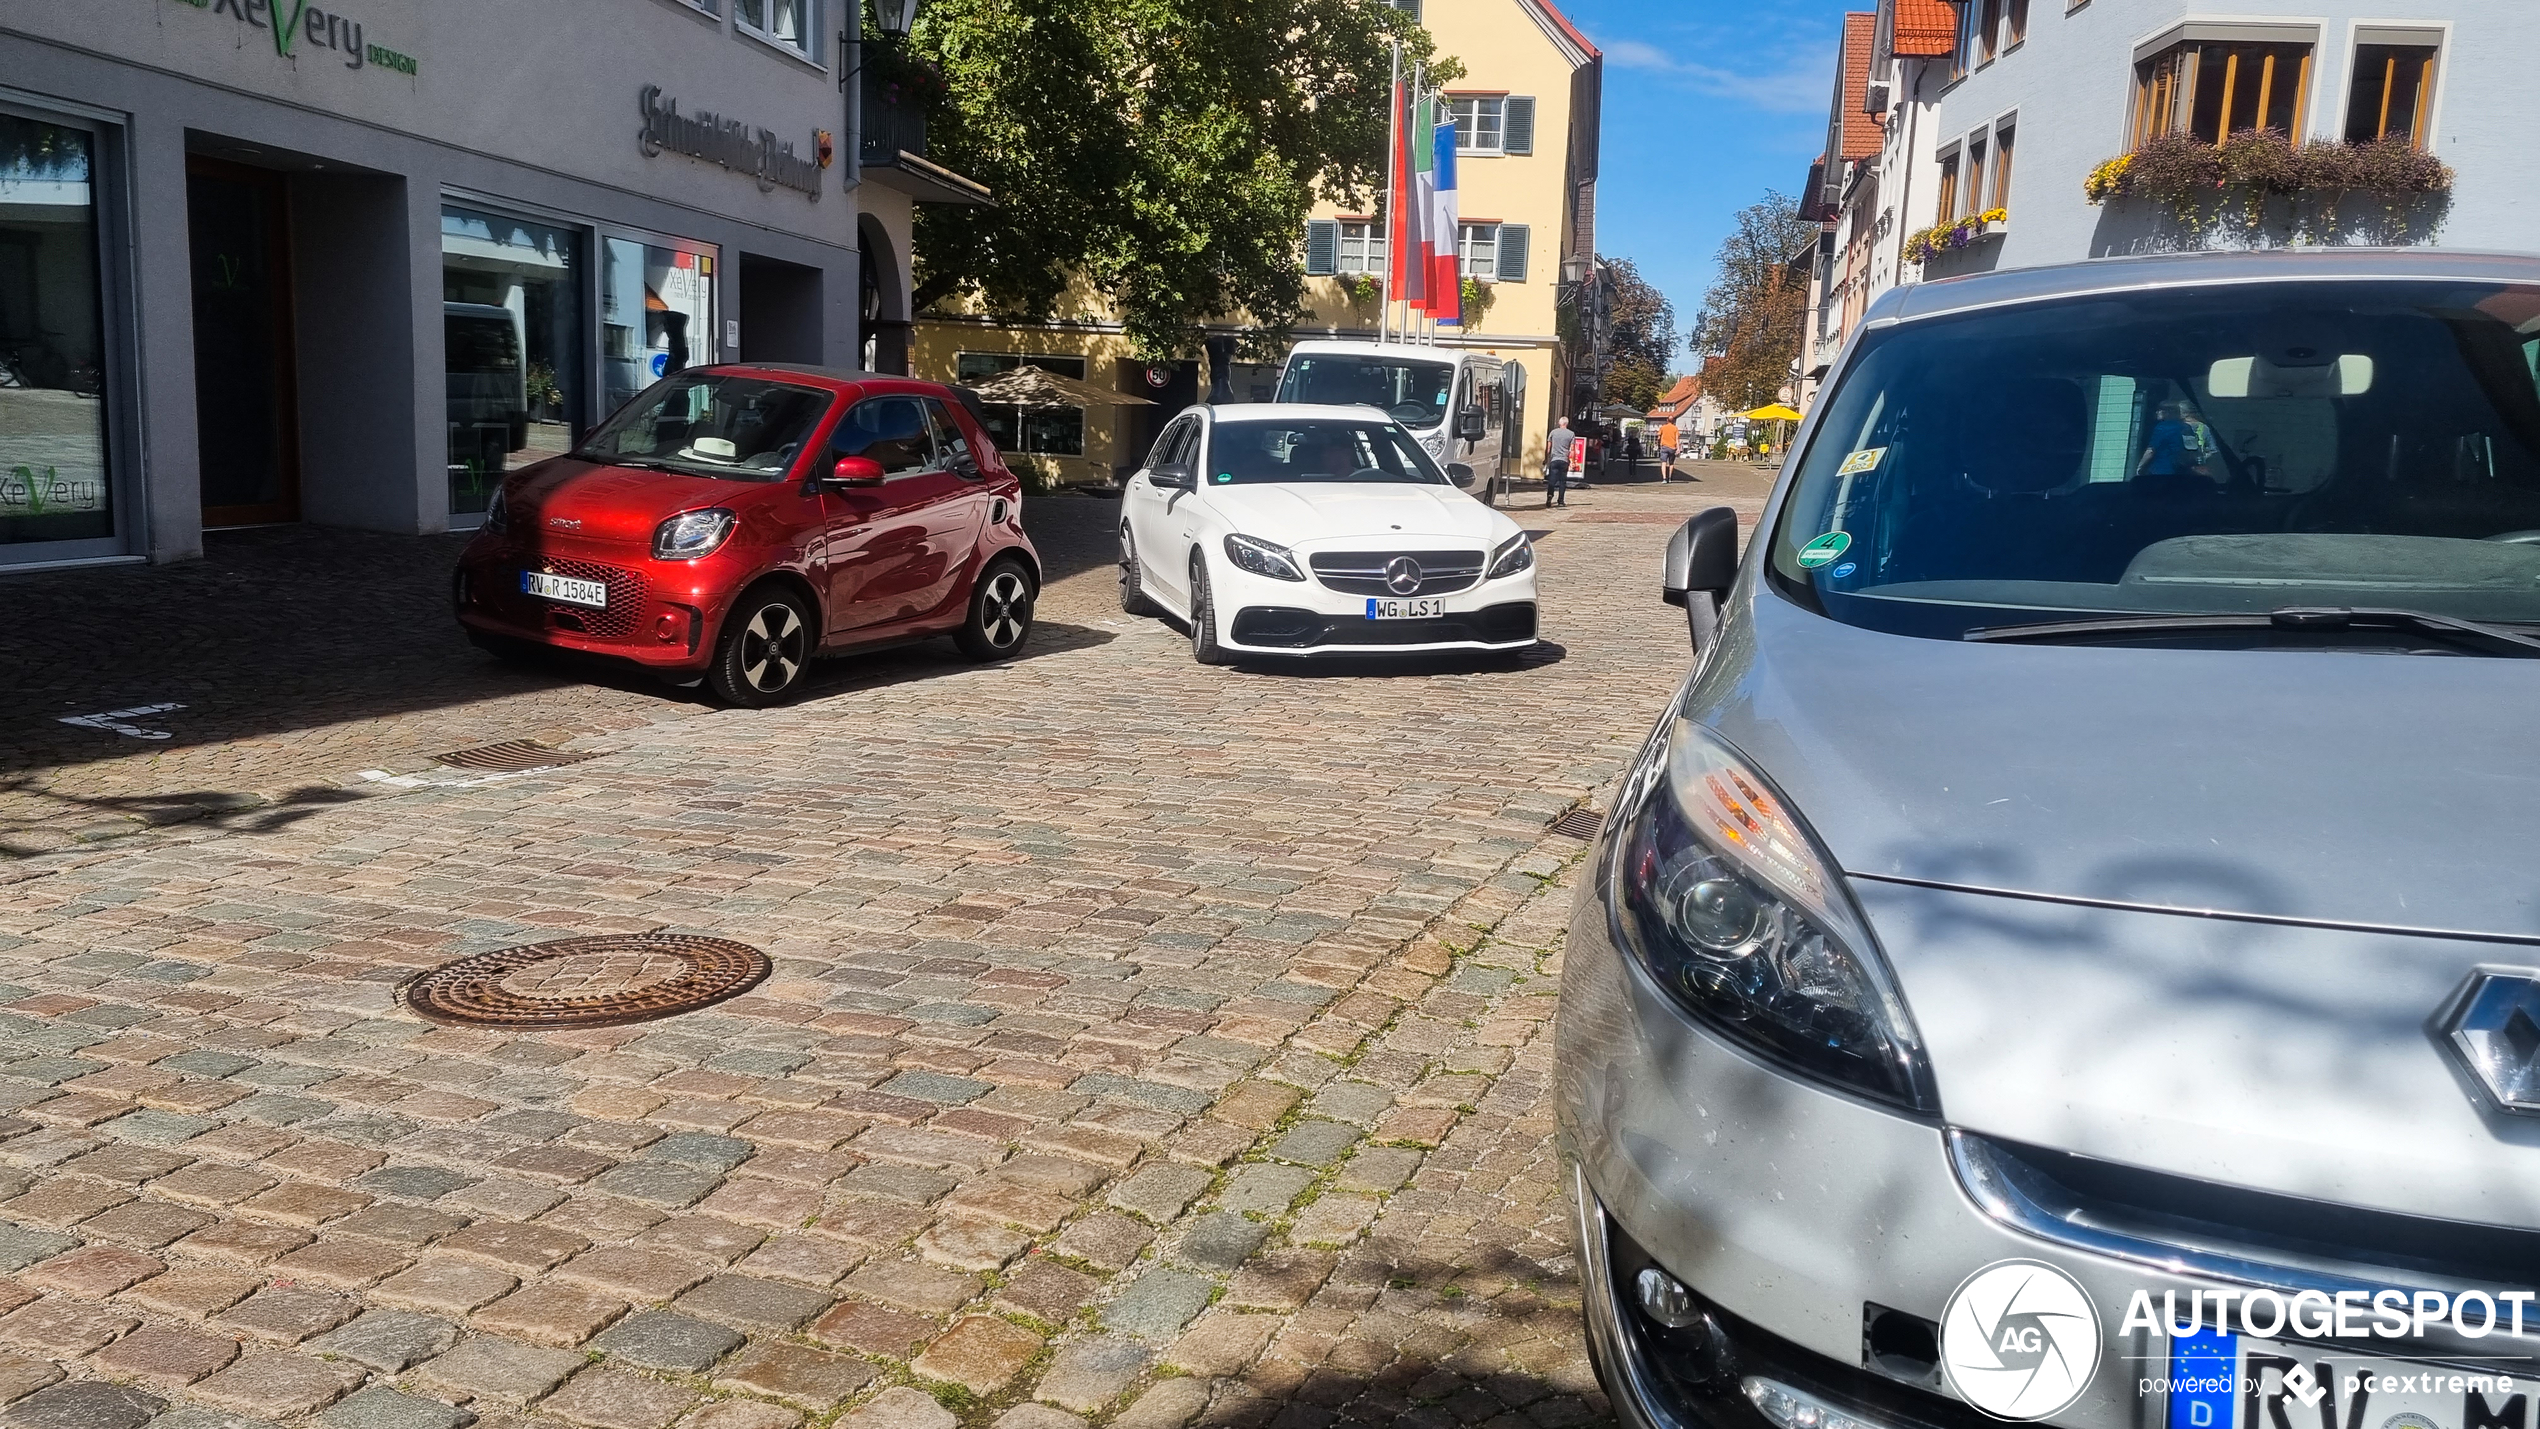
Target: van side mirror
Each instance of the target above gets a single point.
(856, 471)
(1173, 478)
(1460, 474)
(1471, 423)
(1701, 565)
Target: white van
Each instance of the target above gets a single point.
(1462, 406)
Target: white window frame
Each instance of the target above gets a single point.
(1477, 249)
(1360, 253)
(1467, 111)
(808, 16)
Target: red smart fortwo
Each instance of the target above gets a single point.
(734, 522)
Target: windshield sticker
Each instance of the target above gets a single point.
(1866, 459)
(1824, 549)
(1847, 568)
(1224, 477)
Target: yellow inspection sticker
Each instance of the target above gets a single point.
(1866, 459)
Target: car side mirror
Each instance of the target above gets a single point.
(1471, 423)
(1173, 478)
(1459, 473)
(1701, 565)
(856, 471)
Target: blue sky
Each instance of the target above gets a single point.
(1708, 103)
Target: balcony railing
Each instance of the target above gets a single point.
(891, 129)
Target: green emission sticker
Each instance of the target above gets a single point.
(1824, 549)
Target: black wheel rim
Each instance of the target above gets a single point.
(772, 648)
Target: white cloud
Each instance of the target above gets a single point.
(1799, 79)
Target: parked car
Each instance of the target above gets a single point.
(2088, 872)
(1279, 529)
(1463, 406)
(735, 522)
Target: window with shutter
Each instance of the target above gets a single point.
(1322, 247)
(1512, 252)
(1518, 130)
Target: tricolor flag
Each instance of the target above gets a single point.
(1420, 196)
(1446, 285)
(1404, 259)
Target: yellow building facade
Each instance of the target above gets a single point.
(1527, 113)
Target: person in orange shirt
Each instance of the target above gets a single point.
(1666, 451)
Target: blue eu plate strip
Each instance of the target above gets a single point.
(2202, 1368)
(1371, 607)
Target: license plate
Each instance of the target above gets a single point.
(2225, 1381)
(1378, 609)
(566, 589)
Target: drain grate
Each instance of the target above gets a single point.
(587, 982)
(1579, 824)
(510, 756)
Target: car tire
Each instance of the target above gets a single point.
(765, 648)
(1134, 599)
(1000, 617)
(1204, 646)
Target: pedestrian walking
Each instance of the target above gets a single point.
(1556, 465)
(1666, 451)
(1631, 452)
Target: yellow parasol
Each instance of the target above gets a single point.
(1774, 413)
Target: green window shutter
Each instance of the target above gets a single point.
(1322, 247)
(1512, 252)
(1518, 128)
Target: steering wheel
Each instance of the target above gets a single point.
(1370, 473)
(2515, 538)
(1408, 412)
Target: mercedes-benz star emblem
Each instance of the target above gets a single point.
(1402, 575)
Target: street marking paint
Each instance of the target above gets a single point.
(116, 721)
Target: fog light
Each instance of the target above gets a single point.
(1788, 1408)
(666, 629)
(1664, 1299)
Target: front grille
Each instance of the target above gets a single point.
(1363, 572)
(497, 586)
(1280, 628)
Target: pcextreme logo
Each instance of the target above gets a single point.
(293, 22)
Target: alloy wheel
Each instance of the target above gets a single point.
(1000, 617)
(772, 647)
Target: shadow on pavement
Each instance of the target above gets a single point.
(29, 810)
(1415, 666)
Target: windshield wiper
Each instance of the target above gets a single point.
(2293, 619)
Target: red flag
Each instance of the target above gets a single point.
(1403, 264)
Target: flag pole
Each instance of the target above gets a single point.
(1411, 115)
(1393, 210)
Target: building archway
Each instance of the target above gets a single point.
(882, 315)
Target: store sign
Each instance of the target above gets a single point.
(295, 23)
(729, 142)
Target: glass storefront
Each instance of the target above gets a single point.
(512, 320)
(54, 482)
(656, 314)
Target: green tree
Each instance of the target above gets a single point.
(1640, 336)
(1749, 327)
(1166, 152)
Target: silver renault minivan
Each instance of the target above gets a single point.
(2071, 951)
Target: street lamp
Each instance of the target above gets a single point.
(893, 17)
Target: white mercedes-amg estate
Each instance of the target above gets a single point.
(1286, 529)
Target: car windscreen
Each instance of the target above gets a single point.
(1317, 449)
(2225, 450)
(1412, 393)
(707, 424)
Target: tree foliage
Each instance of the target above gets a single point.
(1640, 336)
(1749, 327)
(1164, 152)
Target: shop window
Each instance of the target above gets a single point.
(53, 476)
(794, 24)
(2392, 92)
(657, 314)
(2213, 89)
(513, 335)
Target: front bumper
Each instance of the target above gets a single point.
(660, 614)
(1257, 614)
(1799, 1217)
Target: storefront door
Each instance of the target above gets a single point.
(245, 388)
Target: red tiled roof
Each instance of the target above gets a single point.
(1572, 30)
(1861, 131)
(1926, 27)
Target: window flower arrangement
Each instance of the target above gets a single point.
(2200, 184)
(1925, 244)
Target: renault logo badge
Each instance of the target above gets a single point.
(2495, 1030)
(1402, 575)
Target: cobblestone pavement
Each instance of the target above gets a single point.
(1147, 1044)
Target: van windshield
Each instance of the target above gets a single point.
(738, 428)
(2205, 451)
(1319, 449)
(1411, 392)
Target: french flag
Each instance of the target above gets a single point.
(1446, 286)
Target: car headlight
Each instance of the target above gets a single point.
(691, 535)
(1263, 559)
(497, 511)
(1727, 900)
(1514, 555)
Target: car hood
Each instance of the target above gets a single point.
(1310, 512)
(2366, 789)
(609, 503)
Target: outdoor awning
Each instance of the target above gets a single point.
(1029, 386)
(925, 180)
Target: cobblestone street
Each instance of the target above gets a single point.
(1148, 1044)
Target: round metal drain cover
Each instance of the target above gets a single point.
(587, 982)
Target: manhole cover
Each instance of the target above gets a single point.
(587, 982)
(1579, 824)
(509, 756)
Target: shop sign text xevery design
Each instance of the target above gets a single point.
(320, 28)
(729, 142)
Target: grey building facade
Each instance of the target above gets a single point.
(268, 261)
(2040, 92)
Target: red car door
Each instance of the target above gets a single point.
(878, 535)
(958, 508)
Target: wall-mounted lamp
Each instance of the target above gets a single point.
(893, 17)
